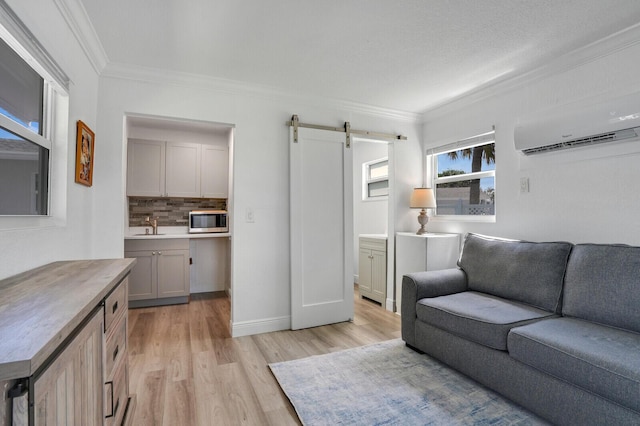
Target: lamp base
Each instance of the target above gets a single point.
(422, 220)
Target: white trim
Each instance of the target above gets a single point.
(77, 19)
(267, 325)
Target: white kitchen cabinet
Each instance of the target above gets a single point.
(183, 170)
(426, 252)
(175, 169)
(161, 274)
(372, 268)
(146, 168)
(214, 172)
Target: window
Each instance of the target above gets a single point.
(375, 179)
(463, 176)
(31, 87)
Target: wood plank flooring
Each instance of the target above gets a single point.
(185, 369)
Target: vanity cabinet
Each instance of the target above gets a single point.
(175, 169)
(372, 268)
(161, 274)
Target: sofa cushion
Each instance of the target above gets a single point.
(517, 270)
(603, 285)
(598, 358)
(483, 318)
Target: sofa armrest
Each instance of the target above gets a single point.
(420, 285)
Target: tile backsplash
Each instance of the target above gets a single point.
(170, 211)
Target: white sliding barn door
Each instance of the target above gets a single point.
(321, 228)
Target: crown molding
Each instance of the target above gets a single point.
(202, 82)
(581, 56)
(78, 21)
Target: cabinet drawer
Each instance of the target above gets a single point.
(116, 396)
(116, 347)
(115, 304)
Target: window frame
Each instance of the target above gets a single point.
(367, 180)
(432, 174)
(54, 127)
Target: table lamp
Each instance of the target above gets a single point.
(422, 198)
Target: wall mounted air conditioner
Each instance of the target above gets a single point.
(566, 128)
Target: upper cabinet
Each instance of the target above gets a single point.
(183, 170)
(174, 169)
(146, 168)
(214, 171)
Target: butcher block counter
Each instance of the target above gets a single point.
(47, 310)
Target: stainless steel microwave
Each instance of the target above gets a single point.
(201, 221)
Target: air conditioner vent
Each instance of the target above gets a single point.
(590, 140)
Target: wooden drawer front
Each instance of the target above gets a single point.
(115, 304)
(116, 345)
(116, 396)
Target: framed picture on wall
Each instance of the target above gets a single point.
(84, 154)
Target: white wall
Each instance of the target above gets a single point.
(581, 195)
(260, 250)
(369, 216)
(73, 237)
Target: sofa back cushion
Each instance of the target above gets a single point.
(523, 271)
(603, 285)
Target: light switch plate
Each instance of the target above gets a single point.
(250, 217)
(524, 185)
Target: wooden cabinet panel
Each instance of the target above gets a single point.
(173, 273)
(115, 304)
(69, 391)
(364, 271)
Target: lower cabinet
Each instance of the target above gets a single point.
(70, 391)
(88, 383)
(372, 269)
(161, 273)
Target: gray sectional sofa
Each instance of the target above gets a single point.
(555, 327)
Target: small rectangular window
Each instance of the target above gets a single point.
(376, 179)
(464, 177)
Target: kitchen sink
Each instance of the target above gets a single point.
(149, 235)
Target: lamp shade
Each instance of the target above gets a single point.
(422, 198)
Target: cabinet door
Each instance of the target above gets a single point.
(379, 275)
(364, 272)
(183, 169)
(143, 278)
(173, 273)
(146, 168)
(69, 391)
(214, 172)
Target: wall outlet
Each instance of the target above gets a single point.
(524, 185)
(250, 216)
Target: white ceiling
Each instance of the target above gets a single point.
(410, 55)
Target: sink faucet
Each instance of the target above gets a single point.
(153, 223)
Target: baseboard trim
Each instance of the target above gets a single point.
(248, 328)
(390, 305)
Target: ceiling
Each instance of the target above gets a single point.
(409, 56)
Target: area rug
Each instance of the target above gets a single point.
(390, 384)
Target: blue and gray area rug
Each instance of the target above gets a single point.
(389, 384)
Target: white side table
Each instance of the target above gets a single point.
(426, 252)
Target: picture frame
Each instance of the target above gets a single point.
(85, 139)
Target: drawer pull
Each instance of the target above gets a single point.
(115, 307)
(115, 353)
(112, 407)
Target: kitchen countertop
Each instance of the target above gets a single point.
(41, 308)
(169, 232)
(376, 236)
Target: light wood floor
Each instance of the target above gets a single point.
(185, 369)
